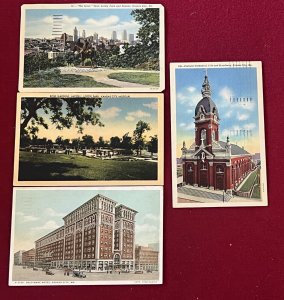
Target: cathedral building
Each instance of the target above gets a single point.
(209, 162)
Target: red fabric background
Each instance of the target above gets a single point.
(209, 253)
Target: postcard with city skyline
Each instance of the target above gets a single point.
(92, 47)
(89, 139)
(86, 236)
(218, 141)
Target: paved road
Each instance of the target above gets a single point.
(101, 75)
(20, 274)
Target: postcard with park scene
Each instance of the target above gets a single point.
(92, 47)
(89, 139)
(86, 236)
(218, 141)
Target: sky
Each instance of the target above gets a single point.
(39, 22)
(119, 115)
(226, 84)
(40, 211)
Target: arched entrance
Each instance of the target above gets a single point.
(116, 261)
(203, 175)
(220, 178)
(190, 174)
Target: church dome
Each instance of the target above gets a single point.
(206, 104)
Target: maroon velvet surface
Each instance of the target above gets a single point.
(209, 253)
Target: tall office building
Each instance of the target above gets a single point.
(124, 35)
(83, 34)
(114, 36)
(76, 35)
(131, 38)
(95, 236)
(96, 37)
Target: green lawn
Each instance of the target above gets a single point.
(249, 181)
(60, 80)
(137, 77)
(46, 167)
(256, 192)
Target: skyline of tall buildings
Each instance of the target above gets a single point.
(114, 35)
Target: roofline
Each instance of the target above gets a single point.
(122, 205)
(50, 233)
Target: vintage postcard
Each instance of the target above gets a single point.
(89, 139)
(218, 141)
(87, 236)
(92, 48)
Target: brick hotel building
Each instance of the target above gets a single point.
(209, 162)
(99, 235)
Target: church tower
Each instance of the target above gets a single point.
(206, 119)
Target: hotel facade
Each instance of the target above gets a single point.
(97, 236)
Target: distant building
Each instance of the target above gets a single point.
(131, 38)
(154, 246)
(114, 36)
(83, 34)
(28, 257)
(97, 236)
(96, 38)
(18, 257)
(76, 34)
(54, 54)
(146, 258)
(124, 35)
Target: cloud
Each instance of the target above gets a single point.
(49, 225)
(242, 117)
(226, 93)
(152, 217)
(65, 20)
(110, 113)
(51, 212)
(108, 21)
(250, 126)
(228, 114)
(191, 89)
(189, 126)
(145, 228)
(26, 218)
(190, 111)
(131, 116)
(152, 105)
(190, 99)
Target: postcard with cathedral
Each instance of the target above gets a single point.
(92, 48)
(218, 140)
(87, 236)
(89, 139)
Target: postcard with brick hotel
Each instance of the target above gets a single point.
(218, 140)
(92, 48)
(86, 236)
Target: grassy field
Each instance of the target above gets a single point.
(38, 166)
(256, 192)
(249, 181)
(61, 80)
(137, 77)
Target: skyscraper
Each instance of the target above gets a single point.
(114, 36)
(83, 34)
(76, 36)
(131, 38)
(124, 35)
(96, 37)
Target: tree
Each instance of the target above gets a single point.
(61, 112)
(101, 142)
(153, 144)
(115, 142)
(126, 143)
(148, 33)
(88, 141)
(59, 141)
(138, 135)
(75, 143)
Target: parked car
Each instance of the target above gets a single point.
(149, 271)
(48, 272)
(79, 274)
(138, 272)
(35, 269)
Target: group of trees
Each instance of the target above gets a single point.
(67, 112)
(144, 54)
